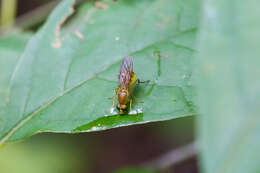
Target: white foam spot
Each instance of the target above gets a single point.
(137, 111)
(117, 38)
(94, 128)
(112, 111)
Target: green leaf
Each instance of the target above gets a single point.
(65, 79)
(229, 86)
(57, 155)
(11, 47)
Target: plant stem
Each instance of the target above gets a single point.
(173, 157)
(8, 12)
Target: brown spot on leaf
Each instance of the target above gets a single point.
(57, 42)
(101, 5)
(78, 34)
(165, 56)
(7, 99)
(159, 25)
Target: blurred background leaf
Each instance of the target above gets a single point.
(64, 78)
(229, 86)
(43, 154)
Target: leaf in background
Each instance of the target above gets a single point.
(64, 79)
(229, 86)
(53, 154)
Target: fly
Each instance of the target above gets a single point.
(126, 80)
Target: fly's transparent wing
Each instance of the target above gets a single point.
(125, 72)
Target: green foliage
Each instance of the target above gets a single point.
(229, 86)
(43, 155)
(11, 48)
(65, 78)
(69, 69)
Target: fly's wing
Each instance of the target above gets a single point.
(125, 72)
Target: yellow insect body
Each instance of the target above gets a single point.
(132, 80)
(126, 80)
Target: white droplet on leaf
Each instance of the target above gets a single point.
(137, 111)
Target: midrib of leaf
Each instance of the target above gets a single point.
(27, 118)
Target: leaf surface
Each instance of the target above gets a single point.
(65, 78)
(11, 48)
(229, 86)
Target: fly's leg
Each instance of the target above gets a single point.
(111, 110)
(133, 97)
(138, 81)
(138, 100)
(130, 106)
(114, 98)
(113, 101)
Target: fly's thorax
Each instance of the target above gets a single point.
(122, 96)
(132, 80)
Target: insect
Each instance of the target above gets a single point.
(126, 80)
